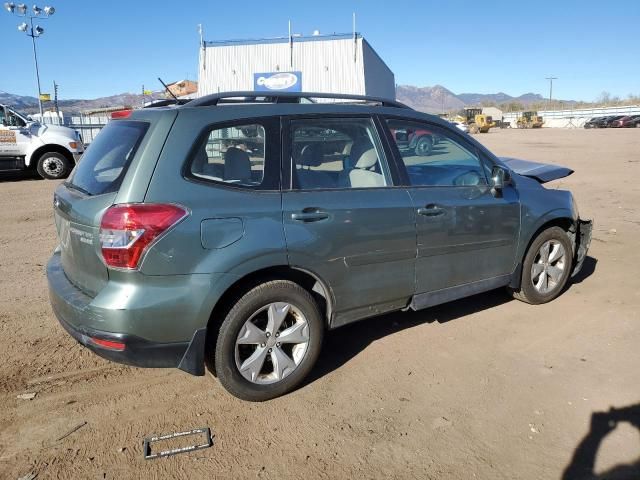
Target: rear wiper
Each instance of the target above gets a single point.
(77, 188)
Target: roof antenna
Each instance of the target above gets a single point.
(167, 88)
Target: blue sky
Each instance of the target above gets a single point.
(96, 48)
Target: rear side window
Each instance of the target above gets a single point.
(234, 155)
(105, 163)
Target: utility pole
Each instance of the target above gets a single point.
(55, 99)
(551, 79)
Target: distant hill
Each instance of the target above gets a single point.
(437, 98)
(426, 99)
(30, 104)
(18, 101)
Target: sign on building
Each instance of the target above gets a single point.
(277, 81)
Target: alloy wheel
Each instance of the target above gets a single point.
(272, 343)
(548, 266)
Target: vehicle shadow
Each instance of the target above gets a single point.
(19, 176)
(345, 343)
(582, 464)
(588, 269)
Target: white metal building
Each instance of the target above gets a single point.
(339, 63)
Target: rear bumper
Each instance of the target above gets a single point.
(71, 305)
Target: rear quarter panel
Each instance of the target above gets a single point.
(253, 236)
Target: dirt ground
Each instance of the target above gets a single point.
(485, 387)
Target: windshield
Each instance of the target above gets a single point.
(10, 118)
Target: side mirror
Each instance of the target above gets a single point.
(500, 178)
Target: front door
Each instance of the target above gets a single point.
(344, 220)
(465, 233)
(14, 136)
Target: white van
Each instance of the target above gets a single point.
(52, 150)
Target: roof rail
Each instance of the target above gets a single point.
(284, 97)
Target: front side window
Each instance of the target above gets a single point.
(336, 153)
(434, 157)
(234, 155)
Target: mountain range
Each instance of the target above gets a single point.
(438, 98)
(427, 99)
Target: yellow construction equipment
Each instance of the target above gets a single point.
(530, 120)
(477, 121)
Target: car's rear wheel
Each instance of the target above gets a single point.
(269, 341)
(53, 166)
(424, 146)
(546, 267)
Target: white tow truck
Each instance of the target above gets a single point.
(52, 150)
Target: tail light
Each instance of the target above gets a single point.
(128, 230)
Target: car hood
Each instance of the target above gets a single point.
(542, 172)
(40, 130)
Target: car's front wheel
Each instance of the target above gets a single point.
(546, 267)
(269, 341)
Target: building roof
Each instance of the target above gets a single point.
(294, 39)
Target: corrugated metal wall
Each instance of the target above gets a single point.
(327, 65)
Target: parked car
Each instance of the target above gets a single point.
(461, 126)
(630, 121)
(612, 122)
(184, 241)
(418, 141)
(592, 122)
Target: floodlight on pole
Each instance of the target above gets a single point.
(32, 31)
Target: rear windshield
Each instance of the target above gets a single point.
(105, 163)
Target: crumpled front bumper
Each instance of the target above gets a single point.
(583, 241)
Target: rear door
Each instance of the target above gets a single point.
(344, 219)
(80, 202)
(465, 233)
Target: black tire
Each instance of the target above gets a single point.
(528, 293)
(251, 302)
(53, 166)
(424, 146)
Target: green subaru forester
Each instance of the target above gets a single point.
(233, 230)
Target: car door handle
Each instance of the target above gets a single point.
(431, 210)
(310, 215)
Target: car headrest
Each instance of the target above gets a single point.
(237, 165)
(368, 159)
(311, 155)
(361, 145)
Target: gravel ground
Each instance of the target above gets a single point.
(485, 387)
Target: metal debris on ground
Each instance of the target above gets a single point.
(148, 455)
(74, 429)
(27, 396)
(29, 476)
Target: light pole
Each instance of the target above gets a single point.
(551, 79)
(34, 32)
